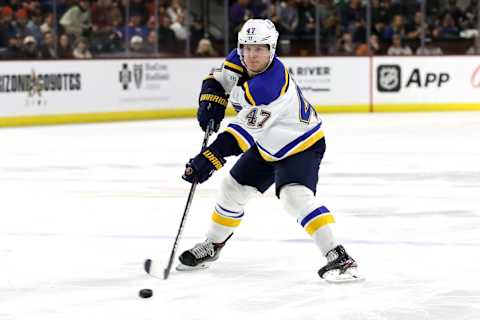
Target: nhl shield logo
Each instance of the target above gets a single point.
(389, 78)
(138, 75)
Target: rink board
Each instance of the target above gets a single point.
(426, 83)
(50, 92)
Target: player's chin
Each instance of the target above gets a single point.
(254, 68)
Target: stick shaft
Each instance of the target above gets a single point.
(166, 271)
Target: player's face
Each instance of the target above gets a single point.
(256, 56)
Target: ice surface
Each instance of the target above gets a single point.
(83, 205)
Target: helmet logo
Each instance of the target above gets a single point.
(251, 31)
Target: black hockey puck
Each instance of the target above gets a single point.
(145, 293)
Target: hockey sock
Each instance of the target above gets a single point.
(317, 225)
(223, 223)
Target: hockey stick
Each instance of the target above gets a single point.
(148, 265)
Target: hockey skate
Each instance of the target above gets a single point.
(340, 267)
(200, 256)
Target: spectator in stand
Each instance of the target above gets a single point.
(151, 45)
(475, 48)
(166, 36)
(48, 48)
(21, 20)
(102, 18)
(64, 49)
(136, 45)
(81, 50)
(379, 29)
(471, 13)
(175, 10)
(101, 25)
(448, 29)
(430, 49)
(34, 26)
(30, 49)
(47, 25)
(362, 49)
(162, 12)
(359, 31)
(13, 50)
(413, 29)
(138, 8)
(345, 45)
(306, 18)
(396, 27)
(398, 48)
(31, 5)
(457, 14)
(352, 12)
(197, 31)
(177, 15)
(135, 27)
(117, 36)
(380, 12)
(77, 21)
(205, 49)
(239, 13)
(329, 33)
(7, 29)
(288, 18)
(271, 13)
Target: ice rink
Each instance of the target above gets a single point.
(83, 205)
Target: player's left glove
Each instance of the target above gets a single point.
(202, 166)
(212, 103)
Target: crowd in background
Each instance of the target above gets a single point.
(67, 29)
(342, 24)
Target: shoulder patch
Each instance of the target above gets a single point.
(268, 86)
(232, 62)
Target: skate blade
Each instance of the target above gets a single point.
(183, 267)
(350, 275)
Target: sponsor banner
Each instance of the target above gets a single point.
(96, 86)
(340, 81)
(426, 80)
(46, 91)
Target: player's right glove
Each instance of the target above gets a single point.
(211, 104)
(202, 166)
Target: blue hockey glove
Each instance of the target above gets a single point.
(211, 104)
(202, 166)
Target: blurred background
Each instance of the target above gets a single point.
(84, 29)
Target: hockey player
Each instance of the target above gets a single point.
(281, 138)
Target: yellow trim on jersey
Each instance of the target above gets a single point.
(233, 66)
(307, 143)
(240, 140)
(304, 145)
(225, 221)
(320, 221)
(285, 86)
(248, 94)
(266, 156)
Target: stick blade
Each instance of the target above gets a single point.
(153, 268)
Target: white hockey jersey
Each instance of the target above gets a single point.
(273, 114)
